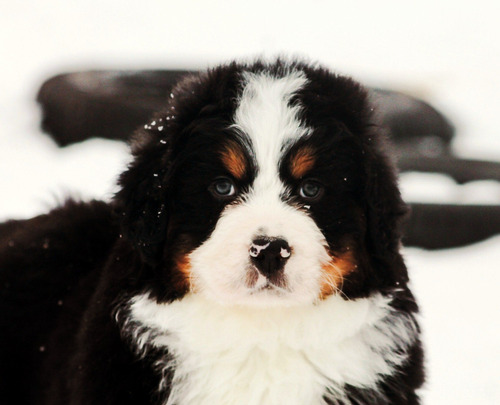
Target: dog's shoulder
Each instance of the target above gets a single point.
(47, 260)
(49, 266)
(74, 233)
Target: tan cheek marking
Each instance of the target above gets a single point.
(234, 160)
(302, 162)
(335, 270)
(185, 276)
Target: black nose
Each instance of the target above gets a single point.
(269, 255)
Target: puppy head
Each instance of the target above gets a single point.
(263, 185)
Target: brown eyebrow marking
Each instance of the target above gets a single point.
(302, 161)
(234, 159)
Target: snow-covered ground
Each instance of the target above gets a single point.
(445, 51)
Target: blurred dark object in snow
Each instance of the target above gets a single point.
(416, 128)
(105, 104)
(113, 103)
(460, 170)
(442, 226)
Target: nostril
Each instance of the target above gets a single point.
(258, 245)
(269, 255)
(285, 253)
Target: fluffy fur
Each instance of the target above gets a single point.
(251, 257)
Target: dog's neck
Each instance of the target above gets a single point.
(294, 355)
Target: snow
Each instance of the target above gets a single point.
(439, 188)
(456, 289)
(447, 52)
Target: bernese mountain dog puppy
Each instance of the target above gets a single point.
(251, 256)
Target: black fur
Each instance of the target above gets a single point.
(65, 276)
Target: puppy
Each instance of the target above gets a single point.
(250, 257)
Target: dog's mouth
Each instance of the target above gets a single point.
(256, 281)
(269, 286)
(269, 290)
(258, 284)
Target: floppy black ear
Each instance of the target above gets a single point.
(145, 200)
(385, 211)
(142, 203)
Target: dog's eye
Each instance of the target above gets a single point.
(310, 190)
(223, 187)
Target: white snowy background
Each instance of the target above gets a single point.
(447, 52)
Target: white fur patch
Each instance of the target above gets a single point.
(233, 355)
(220, 266)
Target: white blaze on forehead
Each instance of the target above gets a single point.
(265, 115)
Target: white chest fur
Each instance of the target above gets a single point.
(239, 355)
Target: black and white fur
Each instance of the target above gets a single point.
(251, 257)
